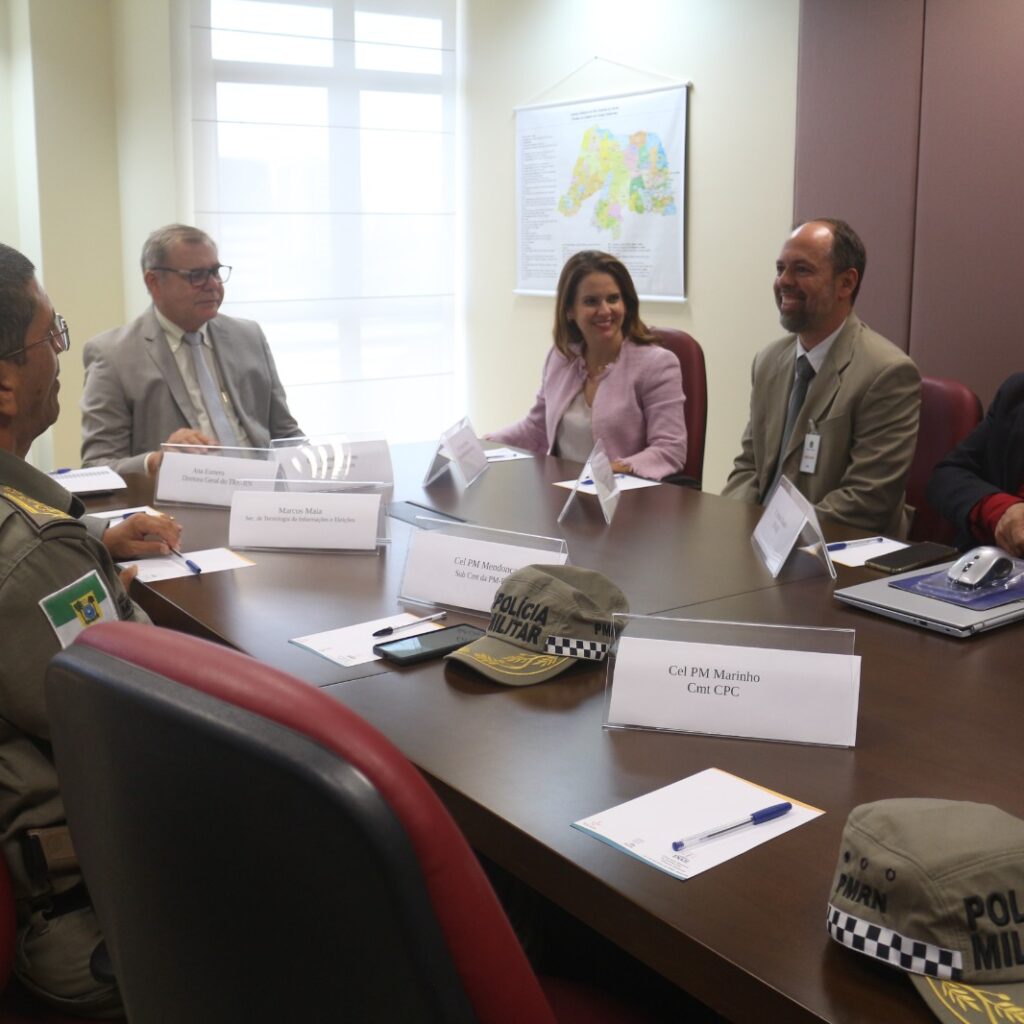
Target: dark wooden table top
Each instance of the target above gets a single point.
(938, 717)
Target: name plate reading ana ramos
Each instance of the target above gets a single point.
(753, 692)
(328, 522)
(208, 479)
(463, 572)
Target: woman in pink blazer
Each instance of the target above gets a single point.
(606, 378)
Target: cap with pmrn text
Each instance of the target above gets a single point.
(936, 888)
(543, 619)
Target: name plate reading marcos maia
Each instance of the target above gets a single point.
(294, 521)
(464, 572)
(753, 692)
(198, 479)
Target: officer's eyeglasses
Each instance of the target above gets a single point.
(198, 277)
(59, 337)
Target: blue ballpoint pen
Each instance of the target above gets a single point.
(756, 818)
(188, 561)
(842, 545)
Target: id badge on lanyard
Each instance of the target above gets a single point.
(812, 442)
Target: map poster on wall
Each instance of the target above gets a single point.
(605, 173)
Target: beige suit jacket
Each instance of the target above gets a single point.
(864, 402)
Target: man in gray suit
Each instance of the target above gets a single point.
(180, 373)
(834, 406)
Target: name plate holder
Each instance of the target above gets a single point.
(334, 457)
(789, 517)
(210, 475)
(310, 515)
(459, 452)
(794, 684)
(597, 470)
(460, 566)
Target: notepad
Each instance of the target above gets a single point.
(96, 480)
(646, 827)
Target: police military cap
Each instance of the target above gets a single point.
(544, 618)
(936, 888)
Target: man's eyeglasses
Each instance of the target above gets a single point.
(198, 277)
(59, 338)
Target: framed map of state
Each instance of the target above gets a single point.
(605, 173)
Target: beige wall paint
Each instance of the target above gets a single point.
(79, 242)
(741, 57)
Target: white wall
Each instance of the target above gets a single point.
(741, 56)
(110, 134)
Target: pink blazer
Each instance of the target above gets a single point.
(637, 411)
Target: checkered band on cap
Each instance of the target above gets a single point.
(893, 948)
(567, 647)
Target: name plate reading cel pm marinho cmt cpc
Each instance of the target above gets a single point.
(799, 696)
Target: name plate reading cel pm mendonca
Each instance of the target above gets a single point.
(304, 522)
(753, 692)
(464, 572)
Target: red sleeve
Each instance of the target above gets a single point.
(986, 514)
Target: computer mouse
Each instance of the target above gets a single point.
(980, 566)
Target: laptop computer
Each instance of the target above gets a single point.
(917, 609)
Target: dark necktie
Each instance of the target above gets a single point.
(211, 393)
(804, 375)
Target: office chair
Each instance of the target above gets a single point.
(949, 412)
(695, 387)
(258, 852)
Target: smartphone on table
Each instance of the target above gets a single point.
(435, 643)
(914, 556)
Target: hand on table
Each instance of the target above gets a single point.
(184, 435)
(141, 535)
(1009, 533)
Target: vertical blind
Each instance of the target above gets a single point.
(323, 142)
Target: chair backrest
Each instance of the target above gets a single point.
(258, 852)
(949, 412)
(7, 925)
(695, 387)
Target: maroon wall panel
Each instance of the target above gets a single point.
(966, 319)
(858, 104)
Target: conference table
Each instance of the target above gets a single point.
(516, 765)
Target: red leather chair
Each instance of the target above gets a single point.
(949, 412)
(695, 387)
(257, 852)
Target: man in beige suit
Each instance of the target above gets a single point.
(838, 402)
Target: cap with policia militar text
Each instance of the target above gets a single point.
(544, 618)
(936, 888)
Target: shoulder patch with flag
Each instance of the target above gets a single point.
(84, 603)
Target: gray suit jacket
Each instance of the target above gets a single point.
(135, 398)
(865, 403)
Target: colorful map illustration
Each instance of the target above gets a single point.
(628, 173)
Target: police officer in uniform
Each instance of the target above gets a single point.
(57, 577)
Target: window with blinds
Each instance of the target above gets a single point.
(323, 142)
